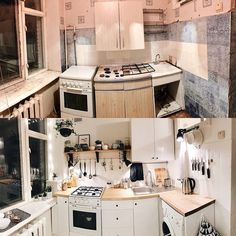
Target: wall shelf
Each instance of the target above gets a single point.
(153, 17)
(93, 152)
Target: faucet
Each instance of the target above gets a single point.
(149, 179)
(157, 59)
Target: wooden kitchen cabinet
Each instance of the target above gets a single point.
(152, 140)
(110, 104)
(118, 26)
(139, 103)
(146, 219)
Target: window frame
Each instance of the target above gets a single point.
(31, 12)
(40, 136)
(20, 12)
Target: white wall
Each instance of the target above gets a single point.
(219, 185)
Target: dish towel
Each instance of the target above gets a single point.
(206, 229)
(136, 172)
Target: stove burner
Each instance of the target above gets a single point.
(115, 71)
(107, 72)
(88, 191)
(102, 75)
(107, 76)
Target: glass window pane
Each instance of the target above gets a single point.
(34, 43)
(33, 4)
(37, 165)
(10, 165)
(9, 62)
(37, 125)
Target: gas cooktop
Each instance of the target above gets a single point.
(118, 72)
(85, 191)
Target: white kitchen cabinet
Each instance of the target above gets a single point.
(117, 218)
(152, 140)
(62, 216)
(118, 26)
(146, 219)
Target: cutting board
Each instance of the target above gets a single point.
(160, 175)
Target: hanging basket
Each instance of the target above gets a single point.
(206, 229)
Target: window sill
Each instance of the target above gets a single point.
(20, 91)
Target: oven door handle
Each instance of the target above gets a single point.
(75, 90)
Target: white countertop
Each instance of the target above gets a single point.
(35, 209)
(79, 73)
(20, 91)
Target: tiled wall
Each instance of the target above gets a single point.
(207, 98)
(232, 90)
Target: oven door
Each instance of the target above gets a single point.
(85, 220)
(76, 102)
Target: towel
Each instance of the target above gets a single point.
(136, 172)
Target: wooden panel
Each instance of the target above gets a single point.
(131, 25)
(109, 86)
(107, 26)
(110, 104)
(137, 84)
(139, 103)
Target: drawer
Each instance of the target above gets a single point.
(112, 205)
(166, 79)
(137, 84)
(109, 86)
(118, 232)
(117, 219)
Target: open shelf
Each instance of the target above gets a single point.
(153, 17)
(100, 151)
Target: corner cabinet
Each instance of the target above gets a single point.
(152, 140)
(118, 26)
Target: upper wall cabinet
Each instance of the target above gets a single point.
(119, 26)
(152, 140)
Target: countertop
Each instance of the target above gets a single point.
(20, 91)
(36, 209)
(161, 70)
(66, 193)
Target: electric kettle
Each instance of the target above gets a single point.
(188, 185)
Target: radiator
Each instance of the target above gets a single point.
(30, 109)
(37, 228)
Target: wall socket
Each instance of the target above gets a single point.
(221, 134)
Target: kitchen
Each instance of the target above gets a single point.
(117, 177)
(167, 58)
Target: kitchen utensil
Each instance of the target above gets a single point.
(120, 164)
(97, 157)
(188, 185)
(80, 168)
(203, 167)
(90, 174)
(85, 173)
(193, 165)
(199, 165)
(111, 165)
(160, 175)
(208, 166)
(1, 215)
(95, 168)
(104, 164)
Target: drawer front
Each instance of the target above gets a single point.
(109, 86)
(112, 205)
(166, 79)
(137, 84)
(118, 232)
(117, 219)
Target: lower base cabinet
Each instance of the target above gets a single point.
(130, 218)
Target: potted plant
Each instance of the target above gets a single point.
(64, 127)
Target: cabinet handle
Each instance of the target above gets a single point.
(117, 218)
(153, 158)
(135, 204)
(157, 157)
(117, 205)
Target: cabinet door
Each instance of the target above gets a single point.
(164, 139)
(139, 103)
(107, 26)
(146, 220)
(142, 136)
(131, 25)
(63, 216)
(110, 104)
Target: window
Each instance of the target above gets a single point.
(10, 163)
(37, 155)
(21, 46)
(9, 50)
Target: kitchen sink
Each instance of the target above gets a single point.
(142, 190)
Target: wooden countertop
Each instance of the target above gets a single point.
(185, 204)
(66, 193)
